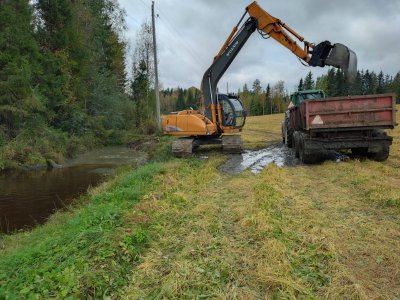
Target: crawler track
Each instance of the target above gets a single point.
(185, 146)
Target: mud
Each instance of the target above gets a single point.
(257, 160)
(279, 154)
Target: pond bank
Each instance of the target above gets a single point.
(28, 198)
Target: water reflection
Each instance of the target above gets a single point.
(29, 198)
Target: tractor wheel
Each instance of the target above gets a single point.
(359, 151)
(382, 155)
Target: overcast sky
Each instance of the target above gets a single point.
(190, 34)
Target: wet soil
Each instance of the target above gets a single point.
(257, 160)
(278, 154)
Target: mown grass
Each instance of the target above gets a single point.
(328, 231)
(261, 131)
(181, 229)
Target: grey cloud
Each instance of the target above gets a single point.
(190, 33)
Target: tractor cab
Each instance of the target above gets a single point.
(233, 112)
(300, 96)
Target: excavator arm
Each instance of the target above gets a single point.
(323, 54)
(319, 55)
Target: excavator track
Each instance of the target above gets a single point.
(182, 147)
(232, 143)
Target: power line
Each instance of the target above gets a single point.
(184, 41)
(134, 20)
(145, 5)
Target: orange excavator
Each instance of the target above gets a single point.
(223, 116)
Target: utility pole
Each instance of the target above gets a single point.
(156, 68)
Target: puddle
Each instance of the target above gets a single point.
(278, 154)
(257, 160)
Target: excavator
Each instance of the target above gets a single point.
(223, 116)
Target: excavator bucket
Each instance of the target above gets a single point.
(337, 55)
(343, 58)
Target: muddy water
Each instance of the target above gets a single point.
(28, 198)
(279, 154)
(257, 160)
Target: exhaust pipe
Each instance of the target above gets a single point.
(337, 55)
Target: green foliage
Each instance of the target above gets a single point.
(87, 256)
(335, 83)
(62, 71)
(255, 107)
(162, 152)
(300, 87)
(179, 99)
(18, 66)
(309, 82)
(192, 98)
(180, 102)
(257, 87)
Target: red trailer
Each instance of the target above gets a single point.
(353, 122)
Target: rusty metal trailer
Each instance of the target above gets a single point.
(354, 122)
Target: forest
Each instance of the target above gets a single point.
(63, 80)
(65, 88)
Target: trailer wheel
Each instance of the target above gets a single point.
(306, 158)
(296, 144)
(381, 155)
(288, 134)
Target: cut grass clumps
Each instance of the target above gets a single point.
(89, 254)
(306, 266)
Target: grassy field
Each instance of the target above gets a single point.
(182, 229)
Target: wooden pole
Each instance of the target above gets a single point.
(156, 68)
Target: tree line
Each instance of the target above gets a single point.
(335, 83)
(269, 100)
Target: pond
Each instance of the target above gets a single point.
(28, 198)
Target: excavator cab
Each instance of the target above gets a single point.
(233, 112)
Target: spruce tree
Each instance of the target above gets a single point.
(19, 57)
(309, 82)
(300, 87)
(180, 102)
(356, 87)
(331, 83)
(396, 86)
(381, 83)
